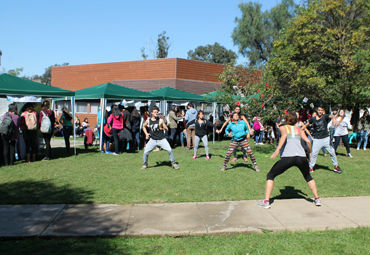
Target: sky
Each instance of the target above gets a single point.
(39, 33)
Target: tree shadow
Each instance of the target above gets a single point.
(42, 192)
(290, 192)
(36, 220)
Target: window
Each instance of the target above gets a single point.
(81, 107)
(94, 108)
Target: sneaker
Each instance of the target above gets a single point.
(115, 154)
(223, 168)
(234, 159)
(325, 154)
(264, 204)
(358, 149)
(317, 202)
(312, 170)
(207, 157)
(195, 157)
(256, 168)
(337, 170)
(245, 159)
(145, 166)
(46, 158)
(349, 155)
(175, 166)
(108, 152)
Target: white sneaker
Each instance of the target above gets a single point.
(264, 204)
(317, 202)
(349, 155)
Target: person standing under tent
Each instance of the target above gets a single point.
(115, 120)
(29, 129)
(201, 133)
(66, 121)
(293, 155)
(341, 132)
(47, 123)
(173, 118)
(135, 128)
(321, 138)
(9, 129)
(238, 131)
(364, 128)
(156, 137)
(190, 115)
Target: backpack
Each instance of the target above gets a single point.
(7, 126)
(31, 120)
(45, 124)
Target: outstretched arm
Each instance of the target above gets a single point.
(251, 131)
(223, 126)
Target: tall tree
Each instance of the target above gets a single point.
(46, 77)
(213, 54)
(256, 30)
(16, 72)
(162, 45)
(324, 54)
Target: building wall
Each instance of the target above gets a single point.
(82, 76)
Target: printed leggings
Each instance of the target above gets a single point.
(245, 145)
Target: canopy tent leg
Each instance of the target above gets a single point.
(214, 120)
(73, 104)
(103, 103)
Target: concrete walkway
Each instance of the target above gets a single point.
(182, 218)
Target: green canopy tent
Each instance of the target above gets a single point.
(111, 91)
(15, 86)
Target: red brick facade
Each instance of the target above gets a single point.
(83, 76)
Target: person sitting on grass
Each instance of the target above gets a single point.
(238, 131)
(201, 132)
(293, 155)
(156, 137)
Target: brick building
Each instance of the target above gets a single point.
(146, 75)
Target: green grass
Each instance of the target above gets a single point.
(99, 178)
(349, 241)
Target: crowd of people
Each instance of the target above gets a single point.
(300, 135)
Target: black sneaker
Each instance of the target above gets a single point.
(337, 170)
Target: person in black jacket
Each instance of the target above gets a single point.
(201, 132)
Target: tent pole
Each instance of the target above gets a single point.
(73, 103)
(103, 102)
(214, 120)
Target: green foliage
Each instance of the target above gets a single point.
(324, 54)
(256, 30)
(213, 54)
(16, 72)
(46, 77)
(162, 45)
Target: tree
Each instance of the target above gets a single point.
(213, 54)
(256, 30)
(162, 45)
(46, 77)
(143, 54)
(16, 72)
(324, 54)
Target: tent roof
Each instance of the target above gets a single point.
(112, 91)
(12, 85)
(168, 93)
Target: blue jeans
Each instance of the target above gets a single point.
(258, 137)
(182, 134)
(332, 131)
(363, 137)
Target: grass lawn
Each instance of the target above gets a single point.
(349, 241)
(100, 178)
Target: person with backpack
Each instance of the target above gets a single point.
(66, 121)
(115, 120)
(9, 130)
(46, 123)
(28, 126)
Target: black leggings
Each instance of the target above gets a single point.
(8, 150)
(287, 162)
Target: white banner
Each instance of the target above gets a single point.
(25, 99)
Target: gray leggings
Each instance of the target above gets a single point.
(160, 143)
(196, 144)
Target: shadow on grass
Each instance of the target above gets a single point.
(42, 192)
(244, 165)
(290, 192)
(318, 167)
(61, 152)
